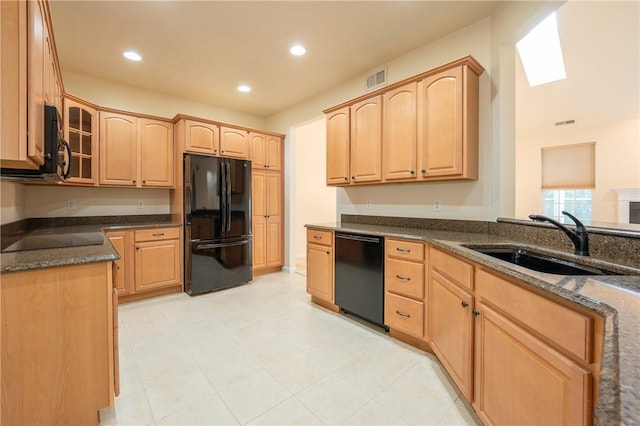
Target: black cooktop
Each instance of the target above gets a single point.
(48, 241)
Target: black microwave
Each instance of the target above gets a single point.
(57, 166)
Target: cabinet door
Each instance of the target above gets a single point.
(259, 193)
(449, 311)
(338, 137)
(201, 138)
(123, 275)
(258, 150)
(274, 152)
(234, 143)
(274, 194)
(156, 153)
(81, 131)
(259, 241)
(366, 140)
(36, 82)
(400, 133)
(520, 380)
(118, 149)
(442, 121)
(157, 264)
(274, 241)
(320, 272)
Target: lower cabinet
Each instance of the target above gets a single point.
(57, 344)
(150, 262)
(320, 265)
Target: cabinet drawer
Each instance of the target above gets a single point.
(317, 236)
(156, 234)
(405, 278)
(403, 314)
(566, 328)
(459, 271)
(402, 249)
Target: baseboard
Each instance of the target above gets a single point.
(289, 269)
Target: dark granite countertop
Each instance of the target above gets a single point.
(49, 258)
(615, 298)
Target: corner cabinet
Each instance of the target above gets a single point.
(424, 128)
(267, 199)
(135, 152)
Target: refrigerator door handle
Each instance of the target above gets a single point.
(228, 167)
(219, 245)
(223, 193)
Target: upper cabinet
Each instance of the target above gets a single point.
(234, 142)
(29, 79)
(201, 138)
(136, 152)
(423, 128)
(265, 151)
(338, 125)
(81, 131)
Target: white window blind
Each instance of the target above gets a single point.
(569, 166)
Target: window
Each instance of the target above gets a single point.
(541, 53)
(575, 201)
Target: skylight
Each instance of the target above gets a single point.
(541, 54)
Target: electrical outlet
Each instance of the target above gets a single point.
(71, 204)
(141, 204)
(437, 205)
(369, 205)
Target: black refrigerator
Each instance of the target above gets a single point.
(217, 205)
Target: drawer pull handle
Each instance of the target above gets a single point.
(475, 313)
(403, 250)
(402, 314)
(464, 304)
(317, 237)
(403, 278)
(160, 234)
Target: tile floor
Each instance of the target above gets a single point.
(263, 354)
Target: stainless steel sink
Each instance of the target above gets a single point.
(541, 262)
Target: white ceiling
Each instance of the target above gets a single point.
(601, 48)
(202, 50)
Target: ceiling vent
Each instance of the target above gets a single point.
(562, 123)
(377, 78)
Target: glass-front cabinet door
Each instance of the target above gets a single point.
(81, 130)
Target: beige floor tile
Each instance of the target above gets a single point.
(224, 368)
(430, 373)
(178, 392)
(130, 381)
(211, 411)
(333, 400)
(290, 412)
(132, 409)
(253, 396)
(374, 413)
(298, 372)
(460, 414)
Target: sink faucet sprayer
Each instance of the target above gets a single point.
(579, 237)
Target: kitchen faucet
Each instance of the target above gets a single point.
(579, 237)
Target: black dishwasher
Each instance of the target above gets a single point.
(359, 280)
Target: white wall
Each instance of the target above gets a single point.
(51, 201)
(114, 95)
(11, 202)
(313, 201)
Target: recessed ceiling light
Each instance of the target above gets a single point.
(244, 88)
(297, 50)
(132, 56)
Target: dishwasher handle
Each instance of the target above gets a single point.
(359, 238)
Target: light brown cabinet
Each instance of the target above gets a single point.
(135, 152)
(200, 137)
(450, 318)
(150, 262)
(366, 141)
(424, 128)
(81, 131)
(338, 137)
(399, 141)
(519, 376)
(57, 344)
(320, 265)
(267, 220)
(265, 151)
(234, 142)
(449, 124)
(404, 286)
(30, 79)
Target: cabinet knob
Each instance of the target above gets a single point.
(423, 171)
(353, 178)
(265, 166)
(475, 313)
(412, 172)
(221, 151)
(464, 304)
(137, 248)
(215, 150)
(134, 181)
(346, 178)
(144, 181)
(328, 252)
